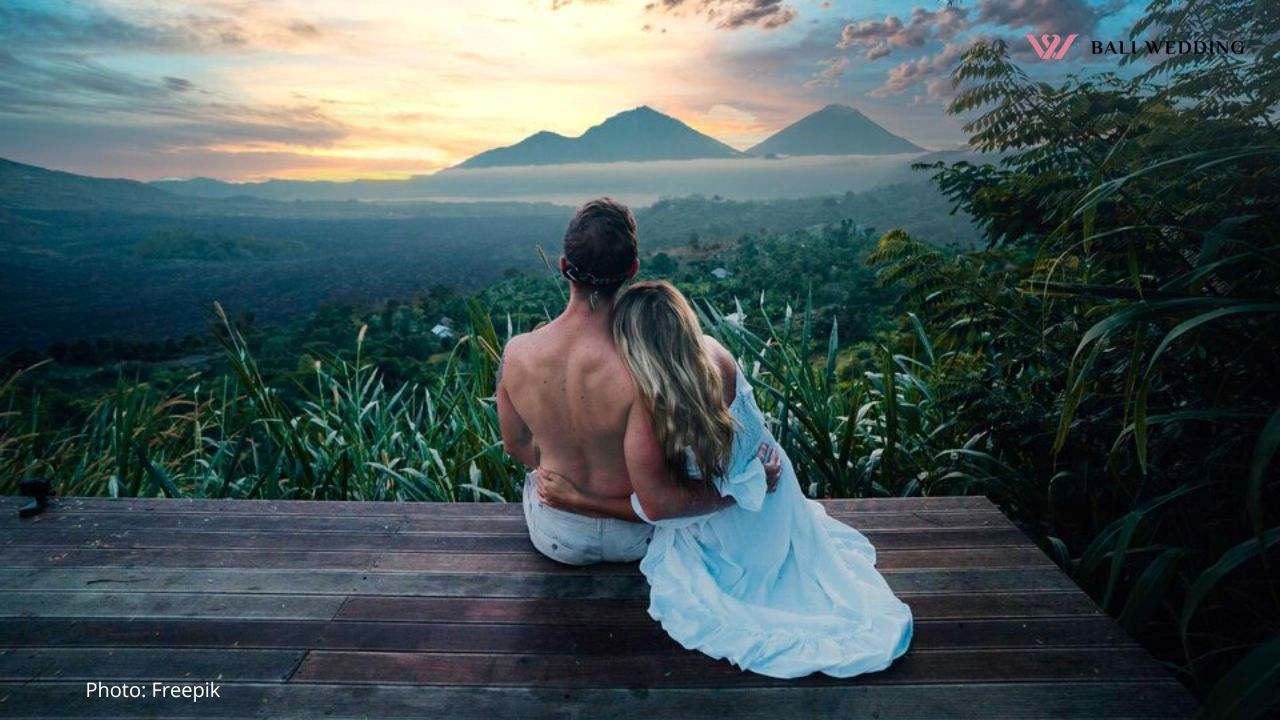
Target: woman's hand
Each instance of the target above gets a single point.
(557, 491)
(771, 458)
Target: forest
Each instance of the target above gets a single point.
(1101, 362)
(110, 265)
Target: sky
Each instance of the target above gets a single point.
(320, 89)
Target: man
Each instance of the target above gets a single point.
(566, 386)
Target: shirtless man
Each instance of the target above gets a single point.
(568, 406)
(565, 385)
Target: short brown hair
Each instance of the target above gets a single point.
(600, 245)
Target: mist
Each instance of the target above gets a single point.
(636, 183)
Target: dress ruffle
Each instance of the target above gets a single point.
(773, 585)
(772, 641)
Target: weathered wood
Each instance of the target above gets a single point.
(346, 509)
(535, 611)
(309, 609)
(1144, 700)
(282, 539)
(924, 606)
(557, 586)
(697, 670)
(426, 636)
(420, 523)
(23, 556)
(28, 604)
(106, 664)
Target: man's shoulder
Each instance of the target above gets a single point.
(513, 355)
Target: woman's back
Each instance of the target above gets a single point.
(772, 583)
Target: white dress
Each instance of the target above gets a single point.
(772, 584)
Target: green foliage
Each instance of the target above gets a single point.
(878, 434)
(1104, 367)
(212, 247)
(370, 403)
(1117, 336)
(915, 205)
(344, 434)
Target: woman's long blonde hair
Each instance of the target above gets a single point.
(661, 341)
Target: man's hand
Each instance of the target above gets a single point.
(557, 491)
(771, 458)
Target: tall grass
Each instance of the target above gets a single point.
(879, 433)
(345, 434)
(349, 437)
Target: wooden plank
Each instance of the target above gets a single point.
(928, 606)
(449, 542)
(22, 556)
(27, 604)
(1143, 700)
(379, 609)
(54, 556)
(181, 664)
(697, 670)
(428, 636)
(357, 508)
(946, 558)
(546, 585)
(418, 523)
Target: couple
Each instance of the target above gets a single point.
(645, 441)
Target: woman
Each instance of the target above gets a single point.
(770, 582)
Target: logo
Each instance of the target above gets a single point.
(1051, 47)
(1201, 46)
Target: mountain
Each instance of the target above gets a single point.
(834, 130)
(34, 188)
(634, 135)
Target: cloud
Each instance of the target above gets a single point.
(214, 29)
(922, 69)
(729, 113)
(829, 75)
(731, 14)
(879, 37)
(177, 84)
(302, 28)
(68, 85)
(557, 4)
(937, 90)
(1045, 16)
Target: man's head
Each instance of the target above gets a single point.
(600, 247)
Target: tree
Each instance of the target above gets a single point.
(662, 265)
(1118, 333)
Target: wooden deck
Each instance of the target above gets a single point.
(361, 610)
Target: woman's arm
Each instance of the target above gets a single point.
(660, 496)
(558, 491)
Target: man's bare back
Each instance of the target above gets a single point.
(572, 390)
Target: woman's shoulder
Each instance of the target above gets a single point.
(724, 362)
(718, 352)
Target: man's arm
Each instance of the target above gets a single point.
(517, 438)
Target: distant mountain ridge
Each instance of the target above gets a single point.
(639, 134)
(35, 188)
(834, 130)
(27, 188)
(634, 136)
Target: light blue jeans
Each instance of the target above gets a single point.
(580, 540)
